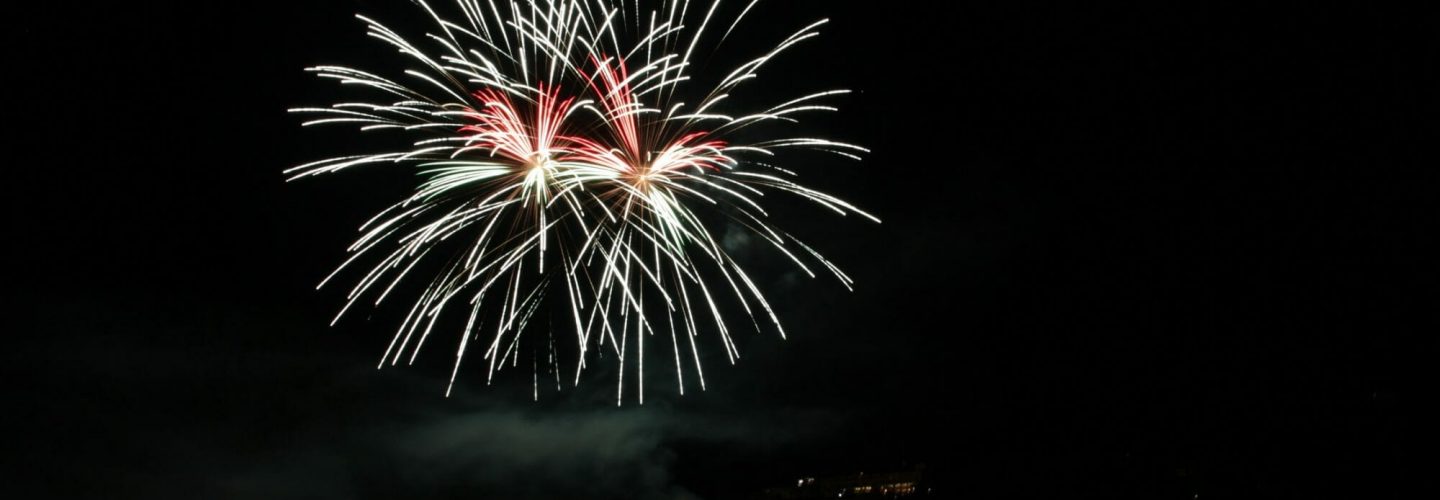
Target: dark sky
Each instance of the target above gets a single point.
(1127, 252)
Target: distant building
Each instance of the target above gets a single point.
(903, 484)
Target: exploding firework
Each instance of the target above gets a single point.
(565, 180)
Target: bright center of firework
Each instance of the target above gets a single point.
(643, 177)
(540, 161)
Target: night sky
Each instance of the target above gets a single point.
(1127, 252)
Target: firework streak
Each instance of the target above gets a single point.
(567, 188)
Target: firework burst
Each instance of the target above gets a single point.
(565, 178)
